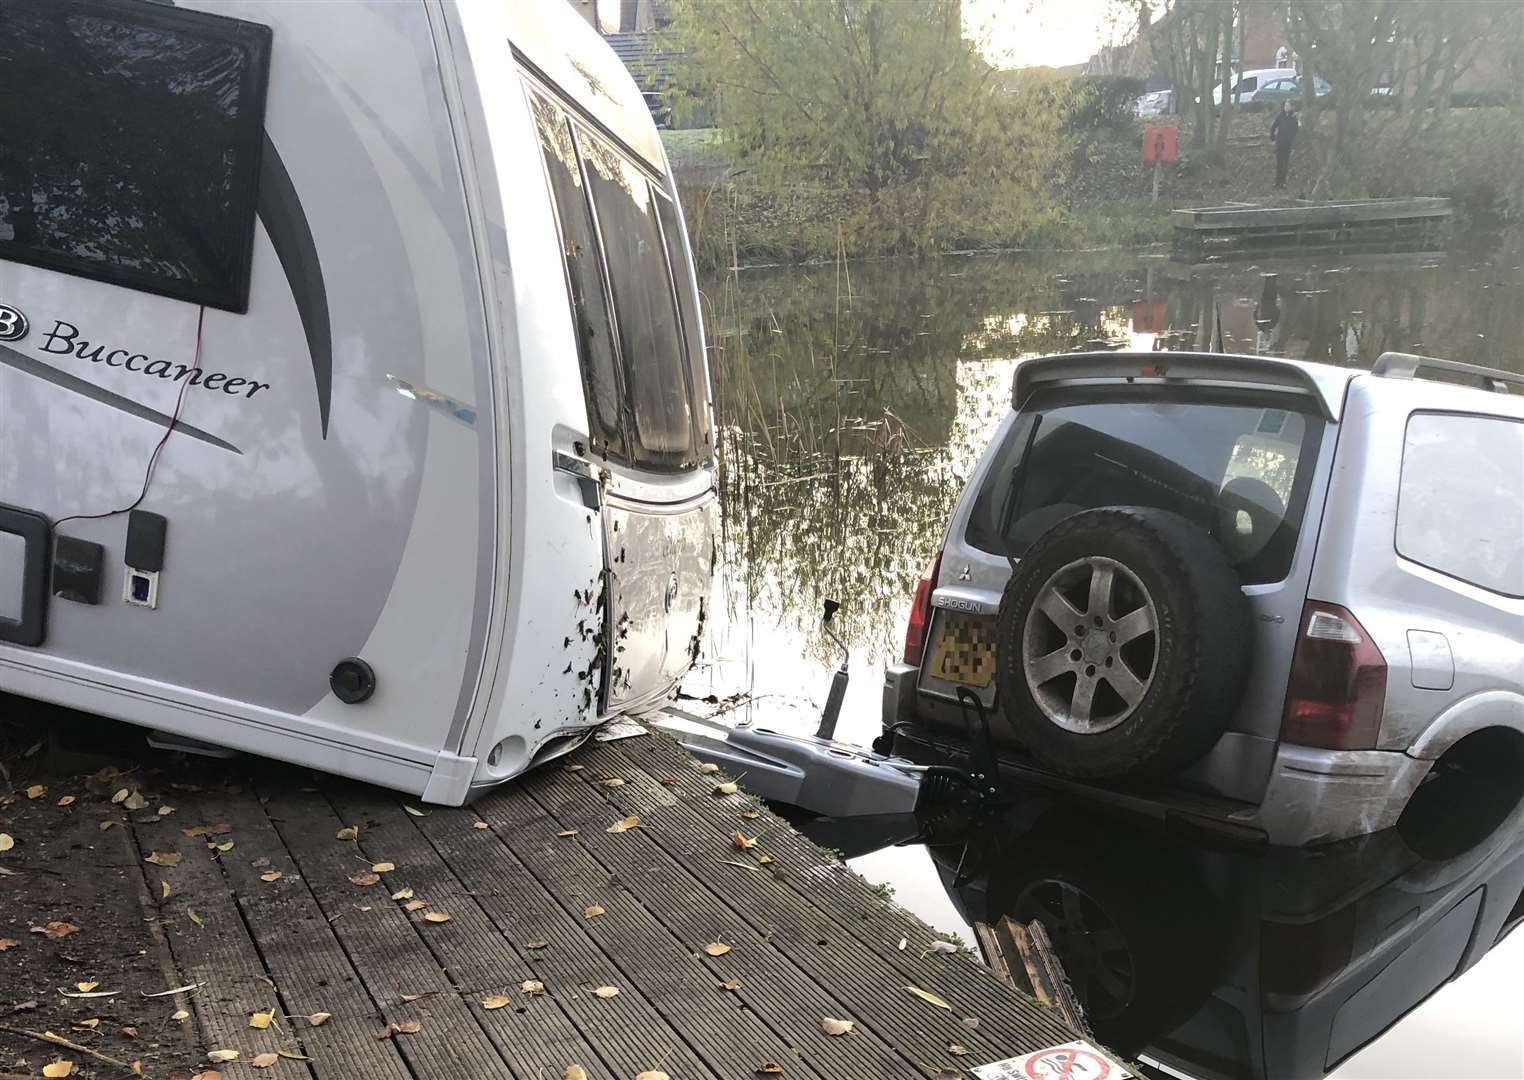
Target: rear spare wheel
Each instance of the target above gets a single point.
(1123, 641)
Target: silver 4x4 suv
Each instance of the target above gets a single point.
(1269, 596)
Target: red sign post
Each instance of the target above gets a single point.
(1160, 145)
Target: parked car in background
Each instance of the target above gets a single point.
(1155, 103)
(1272, 93)
(1265, 593)
(1246, 84)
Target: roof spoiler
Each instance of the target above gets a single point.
(1401, 365)
(1179, 368)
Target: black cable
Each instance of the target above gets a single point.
(153, 458)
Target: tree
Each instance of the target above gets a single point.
(885, 98)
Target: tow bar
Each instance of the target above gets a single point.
(822, 775)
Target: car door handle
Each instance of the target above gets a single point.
(581, 472)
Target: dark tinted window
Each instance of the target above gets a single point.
(693, 329)
(1461, 506)
(1237, 470)
(579, 248)
(129, 144)
(650, 339)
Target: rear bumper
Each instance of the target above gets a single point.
(1318, 796)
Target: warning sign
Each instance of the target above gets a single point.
(1071, 1061)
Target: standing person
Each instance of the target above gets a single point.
(1283, 135)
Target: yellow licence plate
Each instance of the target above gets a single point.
(965, 650)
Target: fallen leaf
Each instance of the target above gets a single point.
(383, 868)
(709, 767)
(225, 846)
(903, 943)
(573, 767)
(35, 791)
(592, 911)
(480, 825)
(7, 841)
(137, 1068)
(436, 916)
(970, 1022)
(56, 930)
(414, 905)
(957, 1049)
(751, 815)
(348, 832)
(652, 1074)
(264, 1061)
(163, 889)
(832, 1026)
(727, 788)
(58, 1068)
(87, 986)
(366, 878)
(496, 1001)
(764, 860)
(731, 984)
(415, 811)
(91, 1023)
(716, 948)
(90, 994)
(179, 1014)
(129, 1032)
(411, 997)
(409, 1027)
(403, 894)
(219, 1057)
(607, 992)
(567, 832)
(165, 811)
(219, 829)
(769, 1068)
(941, 947)
(209, 1074)
(574, 1072)
(120, 796)
(190, 913)
(67, 800)
(292, 1055)
(624, 824)
(261, 1020)
(270, 875)
(741, 843)
(945, 1073)
(163, 858)
(929, 998)
(135, 801)
(387, 1032)
(318, 1019)
(535, 944)
(8, 943)
(532, 987)
(612, 781)
(109, 825)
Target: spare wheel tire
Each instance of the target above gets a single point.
(1123, 644)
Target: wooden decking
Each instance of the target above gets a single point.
(1351, 223)
(536, 888)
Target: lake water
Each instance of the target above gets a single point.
(853, 401)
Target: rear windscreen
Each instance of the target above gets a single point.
(1238, 469)
(130, 138)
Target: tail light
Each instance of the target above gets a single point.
(1338, 682)
(920, 613)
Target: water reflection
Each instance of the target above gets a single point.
(1225, 963)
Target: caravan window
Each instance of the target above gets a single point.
(131, 144)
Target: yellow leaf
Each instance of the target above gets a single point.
(567, 832)
(436, 916)
(592, 911)
(218, 829)
(769, 1068)
(58, 1068)
(218, 1057)
(165, 811)
(67, 800)
(224, 846)
(496, 1001)
(6, 841)
(348, 832)
(135, 801)
(532, 987)
(716, 948)
(293, 1055)
(832, 1026)
(179, 1014)
(624, 824)
(366, 878)
(318, 1019)
(957, 1049)
(480, 825)
(731, 984)
(410, 1027)
(607, 991)
(120, 796)
(87, 986)
(163, 890)
(415, 811)
(742, 843)
(750, 815)
(261, 1020)
(727, 788)
(383, 868)
(414, 905)
(265, 1060)
(190, 913)
(403, 894)
(764, 860)
(930, 998)
(573, 767)
(612, 781)
(35, 791)
(652, 1074)
(108, 824)
(91, 1023)
(137, 1068)
(163, 858)
(574, 1072)
(709, 767)
(270, 875)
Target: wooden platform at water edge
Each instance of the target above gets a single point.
(1351, 223)
(613, 912)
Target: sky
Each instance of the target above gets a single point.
(1021, 33)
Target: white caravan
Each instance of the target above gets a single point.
(353, 403)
